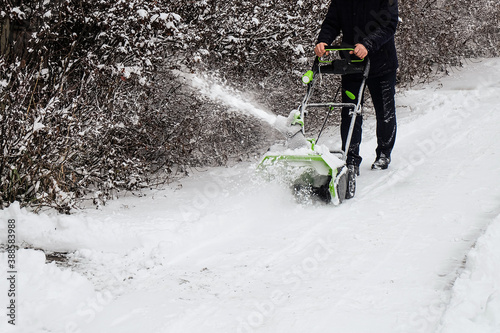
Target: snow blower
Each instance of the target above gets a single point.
(308, 166)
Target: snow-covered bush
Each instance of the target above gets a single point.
(89, 103)
(435, 35)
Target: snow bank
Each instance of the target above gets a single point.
(67, 233)
(475, 304)
(49, 299)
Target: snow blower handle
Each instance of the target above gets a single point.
(348, 64)
(344, 50)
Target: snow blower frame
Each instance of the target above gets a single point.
(325, 171)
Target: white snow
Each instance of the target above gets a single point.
(475, 303)
(127, 71)
(417, 249)
(170, 25)
(19, 12)
(142, 13)
(175, 16)
(299, 49)
(212, 89)
(38, 126)
(47, 290)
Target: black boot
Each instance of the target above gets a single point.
(381, 163)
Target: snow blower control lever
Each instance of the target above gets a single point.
(347, 64)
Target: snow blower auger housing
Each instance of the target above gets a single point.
(303, 162)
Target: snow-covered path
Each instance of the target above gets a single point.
(224, 252)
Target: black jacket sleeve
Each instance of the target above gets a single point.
(330, 29)
(385, 24)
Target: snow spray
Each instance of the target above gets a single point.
(230, 97)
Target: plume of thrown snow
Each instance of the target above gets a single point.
(230, 97)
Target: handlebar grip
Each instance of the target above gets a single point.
(344, 50)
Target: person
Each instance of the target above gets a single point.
(368, 25)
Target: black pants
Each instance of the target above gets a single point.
(382, 90)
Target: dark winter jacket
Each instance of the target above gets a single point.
(369, 22)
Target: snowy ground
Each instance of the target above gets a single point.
(417, 249)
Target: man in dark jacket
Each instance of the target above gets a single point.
(370, 26)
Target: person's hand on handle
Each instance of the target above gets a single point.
(320, 49)
(360, 51)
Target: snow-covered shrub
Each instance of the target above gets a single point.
(88, 102)
(434, 35)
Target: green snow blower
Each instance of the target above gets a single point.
(304, 163)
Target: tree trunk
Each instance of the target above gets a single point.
(5, 37)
